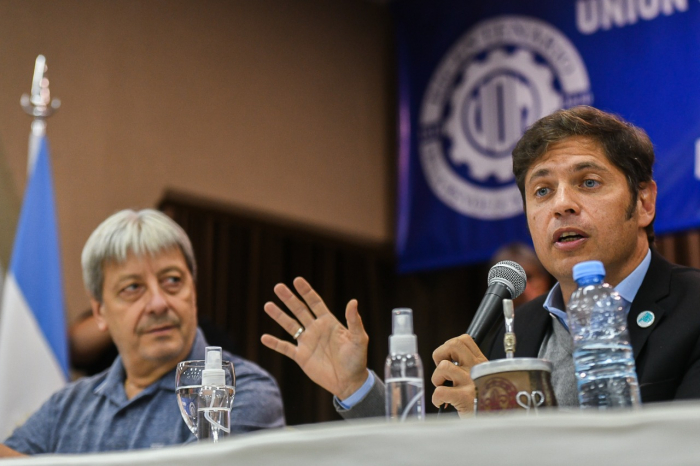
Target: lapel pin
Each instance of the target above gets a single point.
(645, 319)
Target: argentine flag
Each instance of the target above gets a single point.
(33, 342)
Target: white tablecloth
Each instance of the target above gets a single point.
(656, 435)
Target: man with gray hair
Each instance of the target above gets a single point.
(139, 270)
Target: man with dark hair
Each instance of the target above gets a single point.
(587, 187)
(588, 192)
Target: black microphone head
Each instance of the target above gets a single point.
(510, 274)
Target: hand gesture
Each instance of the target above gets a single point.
(454, 361)
(333, 356)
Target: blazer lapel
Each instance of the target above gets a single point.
(655, 286)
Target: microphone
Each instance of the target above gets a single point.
(506, 280)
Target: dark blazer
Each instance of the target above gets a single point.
(667, 354)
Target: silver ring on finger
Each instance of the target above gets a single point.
(299, 332)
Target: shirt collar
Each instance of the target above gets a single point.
(113, 385)
(167, 382)
(554, 302)
(627, 288)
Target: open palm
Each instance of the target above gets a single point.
(330, 354)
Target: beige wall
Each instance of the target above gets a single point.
(278, 106)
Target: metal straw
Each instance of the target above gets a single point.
(509, 338)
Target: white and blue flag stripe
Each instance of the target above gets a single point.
(33, 341)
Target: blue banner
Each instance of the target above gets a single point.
(474, 75)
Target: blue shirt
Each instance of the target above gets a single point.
(359, 394)
(94, 415)
(627, 289)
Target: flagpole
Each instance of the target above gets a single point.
(40, 106)
(33, 340)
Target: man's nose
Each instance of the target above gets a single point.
(157, 303)
(565, 202)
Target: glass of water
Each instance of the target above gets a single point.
(205, 409)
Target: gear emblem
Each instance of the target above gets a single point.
(498, 98)
(495, 81)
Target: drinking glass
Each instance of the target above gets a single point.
(206, 410)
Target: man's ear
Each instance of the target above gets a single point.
(98, 313)
(646, 203)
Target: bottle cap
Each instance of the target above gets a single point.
(589, 269)
(213, 374)
(402, 339)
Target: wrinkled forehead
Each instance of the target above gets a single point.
(569, 156)
(132, 258)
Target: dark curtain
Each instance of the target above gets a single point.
(241, 257)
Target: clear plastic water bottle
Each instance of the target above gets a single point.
(603, 357)
(403, 372)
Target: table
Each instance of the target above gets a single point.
(661, 434)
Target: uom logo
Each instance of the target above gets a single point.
(500, 77)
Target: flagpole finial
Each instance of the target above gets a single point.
(39, 104)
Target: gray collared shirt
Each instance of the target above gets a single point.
(94, 415)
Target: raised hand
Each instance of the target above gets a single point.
(333, 356)
(454, 361)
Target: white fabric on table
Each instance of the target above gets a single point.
(659, 434)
